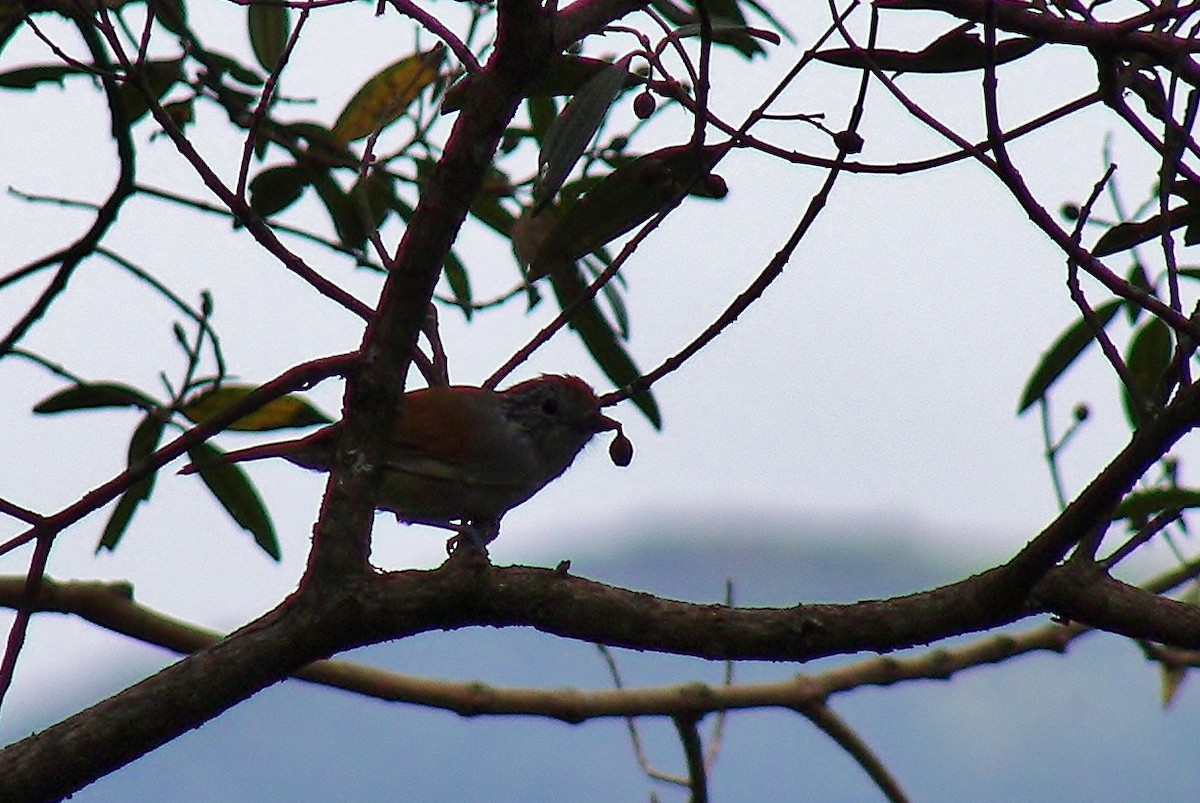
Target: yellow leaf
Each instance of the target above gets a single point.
(385, 96)
(1172, 679)
(286, 411)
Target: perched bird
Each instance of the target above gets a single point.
(460, 456)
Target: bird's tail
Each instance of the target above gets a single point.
(313, 452)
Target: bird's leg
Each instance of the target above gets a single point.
(474, 534)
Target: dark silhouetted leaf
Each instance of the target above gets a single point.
(1062, 354)
(600, 339)
(171, 14)
(30, 77)
(625, 198)
(233, 67)
(141, 446)
(277, 188)
(372, 196)
(1137, 278)
(570, 133)
(234, 491)
(729, 23)
(343, 213)
(460, 283)
(154, 77)
(1127, 235)
(93, 395)
(956, 51)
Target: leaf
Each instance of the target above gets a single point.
(181, 112)
(729, 23)
(238, 71)
(1126, 235)
(543, 111)
(12, 13)
(387, 94)
(959, 50)
(284, 412)
(726, 27)
(171, 14)
(1148, 358)
(234, 491)
(93, 395)
(269, 27)
(277, 188)
(371, 197)
(622, 200)
(1137, 278)
(570, 133)
(1139, 506)
(600, 339)
(1173, 675)
(460, 283)
(153, 77)
(343, 213)
(1062, 354)
(141, 446)
(1172, 679)
(30, 77)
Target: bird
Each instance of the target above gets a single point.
(461, 456)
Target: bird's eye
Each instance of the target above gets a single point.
(550, 405)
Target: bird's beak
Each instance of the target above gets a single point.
(602, 423)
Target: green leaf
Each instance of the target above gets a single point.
(371, 197)
(1139, 506)
(234, 491)
(343, 213)
(610, 291)
(284, 412)
(1062, 354)
(543, 111)
(269, 27)
(487, 209)
(93, 395)
(600, 339)
(141, 446)
(460, 283)
(570, 133)
(277, 188)
(1148, 358)
(1137, 278)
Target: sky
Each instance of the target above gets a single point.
(876, 381)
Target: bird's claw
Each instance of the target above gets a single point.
(473, 536)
